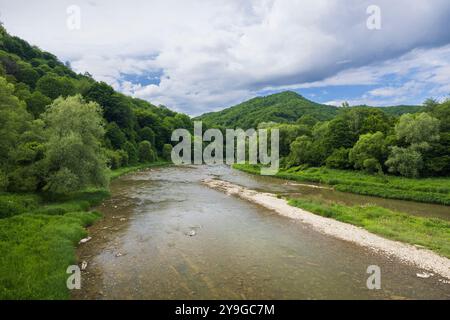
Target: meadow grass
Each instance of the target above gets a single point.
(35, 251)
(428, 190)
(39, 235)
(431, 233)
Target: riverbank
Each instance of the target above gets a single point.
(432, 233)
(39, 237)
(427, 190)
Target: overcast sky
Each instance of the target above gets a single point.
(199, 56)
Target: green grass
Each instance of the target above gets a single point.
(431, 233)
(35, 251)
(429, 190)
(39, 235)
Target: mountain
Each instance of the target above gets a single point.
(286, 106)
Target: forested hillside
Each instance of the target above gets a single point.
(281, 107)
(284, 107)
(60, 130)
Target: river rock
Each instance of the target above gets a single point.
(85, 240)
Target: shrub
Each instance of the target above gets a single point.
(167, 152)
(146, 153)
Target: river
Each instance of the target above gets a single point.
(165, 235)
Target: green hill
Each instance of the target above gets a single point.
(281, 107)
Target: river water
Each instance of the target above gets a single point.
(165, 235)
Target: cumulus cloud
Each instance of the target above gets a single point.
(210, 54)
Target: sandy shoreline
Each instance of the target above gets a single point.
(422, 258)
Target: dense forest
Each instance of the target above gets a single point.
(61, 130)
(411, 141)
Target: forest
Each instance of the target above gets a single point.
(62, 131)
(409, 141)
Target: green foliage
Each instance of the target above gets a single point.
(369, 152)
(14, 204)
(36, 103)
(146, 153)
(430, 190)
(132, 152)
(35, 251)
(73, 152)
(54, 86)
(14, 120)
(405, 161)
(147, 134)
(282, 107)
(339, 159)
(115, 136)
(167, 152)
(417, 129)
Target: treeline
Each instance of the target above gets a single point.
(60, 131)
(367, 139)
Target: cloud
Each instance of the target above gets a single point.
(211, 54)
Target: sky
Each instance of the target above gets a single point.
(205, 55)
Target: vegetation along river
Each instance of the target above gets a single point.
(165, 235)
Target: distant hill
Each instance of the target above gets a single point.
(286, 106)
(399, 110)
(281, 107)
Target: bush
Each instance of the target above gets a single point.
(146, 153)
(23, 179)
(167, 152)
(132, 152)
(114, 159)
(339, 159)
(14, 204)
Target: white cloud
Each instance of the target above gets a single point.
(215, 53)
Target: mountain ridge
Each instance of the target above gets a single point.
(285, 106)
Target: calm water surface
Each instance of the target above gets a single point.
(166, 236)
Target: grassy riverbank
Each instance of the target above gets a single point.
(125, 170)
(430, 233)
(428, 190)
(38, 238)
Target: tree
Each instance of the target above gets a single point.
(115, 135)
(54, 86)
(417, 128)
(37, 102)
(369, 152)
(288, 133)
(339, 159)
(74, 156)
(442, 113)
(301, 150)
(131, 150)
(146, 153)
(405, 161)
(167, 152)
(148, 134)
(14, 120)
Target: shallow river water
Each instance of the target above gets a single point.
(165, 235)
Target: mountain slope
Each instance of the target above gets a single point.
(286, 106)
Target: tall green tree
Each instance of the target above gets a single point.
(74, 155)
